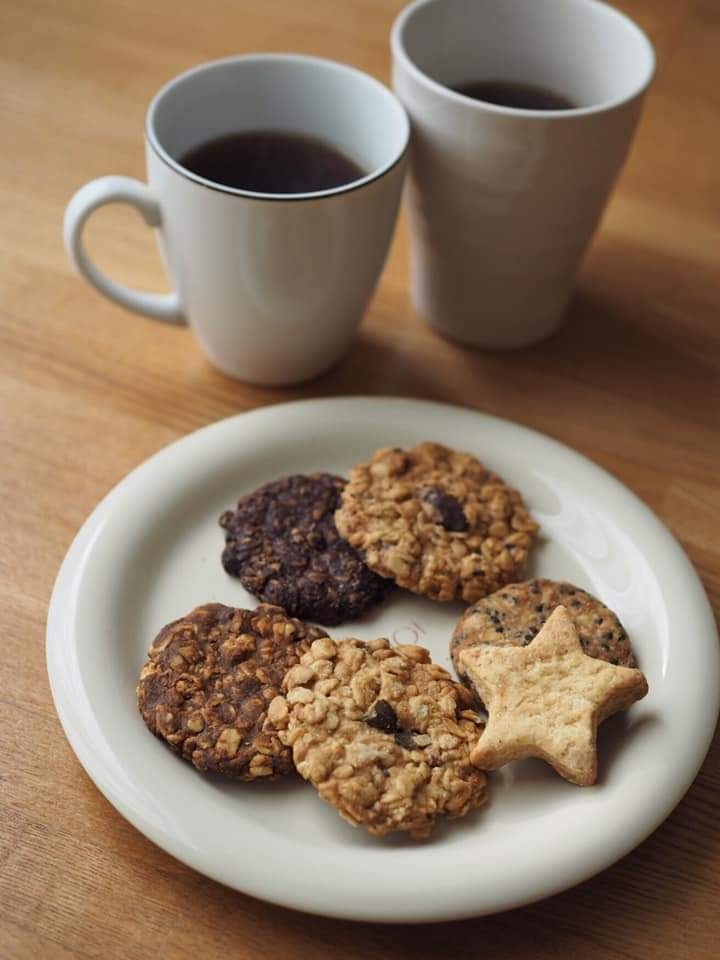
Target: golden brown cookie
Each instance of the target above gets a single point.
(546, 699)
(209, 679)
(515, 614)
(383, 734)
(437, 522)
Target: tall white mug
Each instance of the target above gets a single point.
(273, 285)
(502, 201)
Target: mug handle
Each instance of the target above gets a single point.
(160, 306)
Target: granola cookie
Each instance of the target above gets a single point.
(437, 522)
(209, 679)
(282, 543)
(547, 699)
(517, 612)
(383, 734)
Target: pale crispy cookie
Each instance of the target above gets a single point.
(209, 679)
(516, 613)
(282, 543)
(437, 522)
(547, 699)
(383, 734)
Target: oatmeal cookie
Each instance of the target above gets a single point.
(437, 522)
(383, 734)
(282, 543)
(208, 680)
(547, 699)
(517, 612)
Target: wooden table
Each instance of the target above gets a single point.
(88, 391)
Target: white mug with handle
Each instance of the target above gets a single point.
(503, 201)
(273, 285)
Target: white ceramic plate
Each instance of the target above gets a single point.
(151, 551)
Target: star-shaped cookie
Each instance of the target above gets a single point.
(546, 700)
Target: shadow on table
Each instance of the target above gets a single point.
(634, 353)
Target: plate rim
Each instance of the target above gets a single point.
(92, 527)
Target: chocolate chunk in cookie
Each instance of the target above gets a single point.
(383, 734)
(283, 545)
(209, 679)
(448, 511)
(437, 522)
(516, 614)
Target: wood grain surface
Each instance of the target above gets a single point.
(88, 391)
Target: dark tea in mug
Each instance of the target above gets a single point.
(269, 161)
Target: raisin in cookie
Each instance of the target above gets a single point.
(209, 679)
(437, 522)
(282, 543)
(383, 734)
(515, 614)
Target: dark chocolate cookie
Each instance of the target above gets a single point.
(209, 679)
(283, 545)
(515, 614)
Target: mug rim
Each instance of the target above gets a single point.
(375, 174)
(402, 56)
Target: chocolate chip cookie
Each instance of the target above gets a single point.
(209, 679)
(437, 522)
(383, 734)
(283, 545)
(515, 615)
